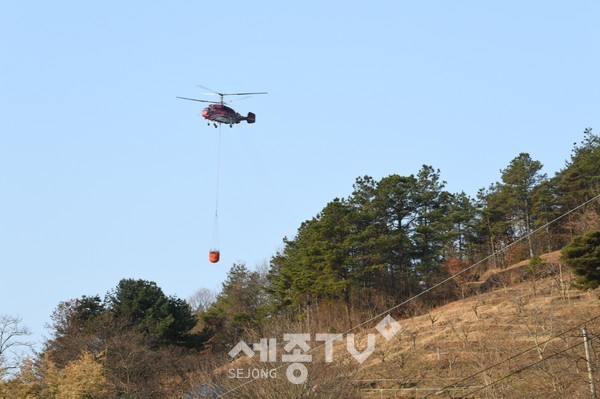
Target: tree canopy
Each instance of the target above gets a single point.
(583, 257)
(119, 341)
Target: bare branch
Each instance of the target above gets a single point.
(11, 339)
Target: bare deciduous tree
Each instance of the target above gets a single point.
(12, 342)
(201, 300)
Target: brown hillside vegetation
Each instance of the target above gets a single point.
(522, 339)
(402, 289)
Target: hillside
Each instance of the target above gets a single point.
(526, 316)
(390, 247)
(520, 337)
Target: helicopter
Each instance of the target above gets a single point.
(218, 112)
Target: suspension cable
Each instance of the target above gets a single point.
(218, 173)
(214, 252)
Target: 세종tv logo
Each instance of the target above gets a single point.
(298, 351)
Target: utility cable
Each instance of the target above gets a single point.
(527, 236)
(444, 281)
(512, 357)
(526, 367)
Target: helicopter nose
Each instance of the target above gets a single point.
(205, 112)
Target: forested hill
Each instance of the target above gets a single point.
(393, 238)
(402, 245)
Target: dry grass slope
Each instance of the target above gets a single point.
(474, 348)
(517, 336)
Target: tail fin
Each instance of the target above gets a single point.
(251, 118)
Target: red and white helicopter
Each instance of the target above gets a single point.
(218, 112)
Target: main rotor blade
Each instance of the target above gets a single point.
(230, 94)
(211, 90)
(195, 99)
(239, 99)
(245, 94)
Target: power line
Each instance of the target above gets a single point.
(515, 356)
(433, 287)
(472, 266)
(526, 367)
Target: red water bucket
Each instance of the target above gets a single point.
(213, 256)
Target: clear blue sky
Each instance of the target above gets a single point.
(105, 175)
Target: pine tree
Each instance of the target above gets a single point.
(520, 179)
(494, 226)
(583, 257)
(240, 307)
(143, 304)
(579, 182)
(580, 179)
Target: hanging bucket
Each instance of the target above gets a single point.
(213, 256)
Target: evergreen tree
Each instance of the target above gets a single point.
(89, 324)
(583, 257)
(463, 241)
(370, 271)
(388, 237)
(520, 179)
(433, 225)
(239, 309)
(394, 219)
(546, 208)
(494, 227)
(579, 180)
(316, 266)
(143, 304)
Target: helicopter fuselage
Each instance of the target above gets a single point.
(219, 113)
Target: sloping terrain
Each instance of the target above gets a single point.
(519, 335)
(520, 338)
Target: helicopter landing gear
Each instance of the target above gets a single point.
(215, 125)
(230, 126)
